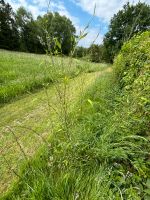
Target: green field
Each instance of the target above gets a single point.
(22, 73)
(31, 116)
(84, 136)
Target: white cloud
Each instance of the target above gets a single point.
(61, 9)
(35, 9)
(41, 3)
(92, 32)
(40, 7)
(104, 9)
(15, 5)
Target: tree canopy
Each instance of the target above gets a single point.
(127, 22)
(8, 27)
(28, 32)
(20, 31)
(96, 53)
(54, 26)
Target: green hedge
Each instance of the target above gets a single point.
(133, 60)
(132, 69)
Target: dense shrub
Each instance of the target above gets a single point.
(80, 52)
(133, 60)
(132, 69)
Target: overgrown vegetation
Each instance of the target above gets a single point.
(96, 53)
(104, 152)
(32, 119)
(132, 19)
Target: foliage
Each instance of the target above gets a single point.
(80, 52)
(96, 53)
(55, 26)
(100, 149)
(132, 69)
(128, 68)
(8, 28)
(103, 159)
(127, 22)
(19, 31)
(29, 40)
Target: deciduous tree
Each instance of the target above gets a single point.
(8, 29)
(127, 22)
(54, 26)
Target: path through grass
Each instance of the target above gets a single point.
(22, 73)
(31, 119)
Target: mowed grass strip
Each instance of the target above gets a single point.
(22, 73)
(32, 119)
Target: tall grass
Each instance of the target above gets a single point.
(31, 120)
(106, 155)
(98, 161)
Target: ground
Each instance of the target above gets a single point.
(30, 120)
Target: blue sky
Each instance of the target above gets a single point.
(79, 12)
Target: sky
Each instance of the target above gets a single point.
(80, 12)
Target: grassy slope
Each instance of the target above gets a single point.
(36, 115)
(33, 112)
(24, 73)
(100, 160)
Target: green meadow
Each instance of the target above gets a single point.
(84, 135)
(32, 97)
(22, 73)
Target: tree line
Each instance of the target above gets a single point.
(20, 31)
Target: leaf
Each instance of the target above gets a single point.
(83, 36)
(90, 102)
(135, 137)
(66, 80)
(148, 183)
(58, 44)
(147, 197)
(147, 191)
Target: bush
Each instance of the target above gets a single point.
(129, 21)
(133, 60)
(96, 53)
(80, 52)
(132, 71)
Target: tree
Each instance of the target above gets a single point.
(80, 52)
(8, 29)
(127, 22)
(19, 31)
(96, 53)
(54, 26)
(28, 30)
